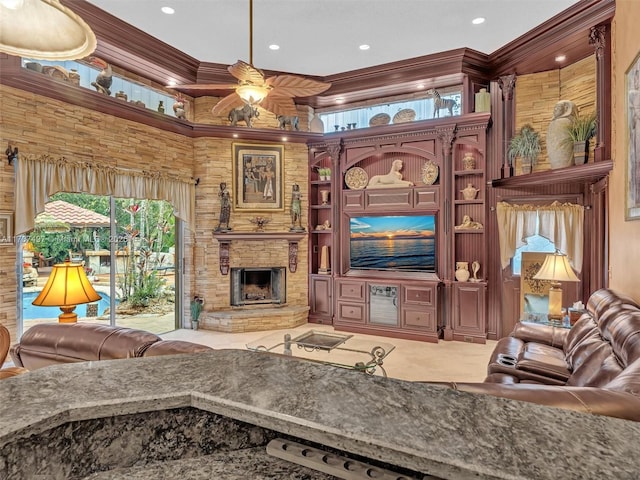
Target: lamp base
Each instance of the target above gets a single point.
(68, 315)
(555, 302)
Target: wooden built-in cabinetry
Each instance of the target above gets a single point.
(422, 305)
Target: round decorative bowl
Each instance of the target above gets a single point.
(404, 115)
(356, 178)
(379, 119)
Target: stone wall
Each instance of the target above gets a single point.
(537, 94)
(39, 125)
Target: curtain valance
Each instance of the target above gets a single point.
(39, 177)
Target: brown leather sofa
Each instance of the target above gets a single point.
(54, 343)
(594, 367)
(5, 343)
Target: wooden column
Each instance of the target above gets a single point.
(507, 85)
(600, 38)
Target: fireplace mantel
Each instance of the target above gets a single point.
(225, 239)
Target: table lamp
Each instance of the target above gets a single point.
(556, 268)
(67, 287)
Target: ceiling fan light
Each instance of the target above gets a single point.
(44, 30)
(252, 94)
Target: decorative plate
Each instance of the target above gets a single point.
(356, 178)
(404, 115)
(430, 172)
(379, 119)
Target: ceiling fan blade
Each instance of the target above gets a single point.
(227, 103)
(246, 73)
(279, 104)
(208, 86)
(295, 86)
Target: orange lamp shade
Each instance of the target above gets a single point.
(67, 287)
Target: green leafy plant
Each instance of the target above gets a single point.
(525, 144)
(582, 128)
(197, 304)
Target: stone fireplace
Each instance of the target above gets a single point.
(258, 286)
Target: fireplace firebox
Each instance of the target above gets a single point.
(254, 286)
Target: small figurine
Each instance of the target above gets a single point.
(104, 79)
(259, 222)
(178, 107)
(468, 224)
(324, 226)
(296, 209)
(225, 209)
(392, 179)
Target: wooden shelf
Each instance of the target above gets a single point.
(250, 236)
(468, 202)
(462, 173)
(589, 172)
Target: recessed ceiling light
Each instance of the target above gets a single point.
(560, 58)
(339, 100)
(284, 139)
(168, 10)
(235, 135)
(171, 83)
(273, 46)
(364, 47)
(478, 20)
(420, 86)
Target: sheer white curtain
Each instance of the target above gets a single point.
(560, 223)
(39, 177)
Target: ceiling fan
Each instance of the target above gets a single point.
(274, 94)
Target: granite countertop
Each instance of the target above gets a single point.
(421, 427)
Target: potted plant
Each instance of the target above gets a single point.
(525, 145)
(581, 130)
(325, 173)
(197, 304)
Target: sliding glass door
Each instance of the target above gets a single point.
(127, 248)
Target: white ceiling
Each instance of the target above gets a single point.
(321, 37)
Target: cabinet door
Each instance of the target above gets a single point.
(469, 314)
(320, 293)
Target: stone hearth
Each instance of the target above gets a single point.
(255, 319)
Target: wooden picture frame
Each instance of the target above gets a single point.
(632, 210)
(258, 177)
(6, 228)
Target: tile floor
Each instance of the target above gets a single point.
(410, 360)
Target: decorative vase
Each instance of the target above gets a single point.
(316, 124)
(121, 95)
(580, 152)
(469, 161)
(324, 194)
(475, 267)
(462, 271)
(470, 192)
(483, 101)
(161, 107)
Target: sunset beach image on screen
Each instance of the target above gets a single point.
(398, 243)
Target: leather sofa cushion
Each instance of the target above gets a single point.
(534, 332)
(535, 360)
(84, 341)
(174, 347)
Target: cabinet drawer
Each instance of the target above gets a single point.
(419, 295)
(353, 200)
(351, 312)
(423, 320)
(351, 291)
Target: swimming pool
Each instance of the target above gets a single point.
(30, 312)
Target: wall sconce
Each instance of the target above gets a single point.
(12, 154)
(67, 287)
(43, 29)
(556, 268)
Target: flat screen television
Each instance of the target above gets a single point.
(404, 243)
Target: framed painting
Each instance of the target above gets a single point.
(258, 177)
(633, 127)
(6, 228)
